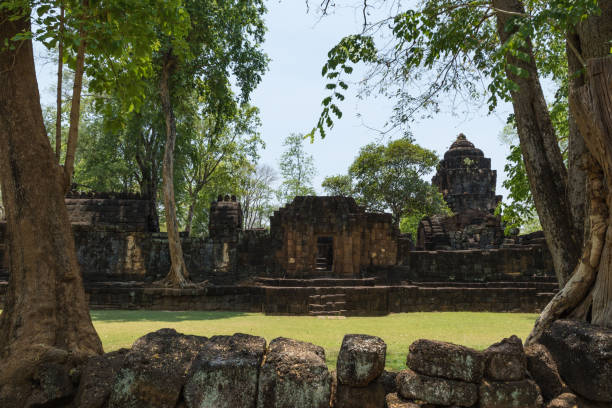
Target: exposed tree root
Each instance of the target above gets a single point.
(572, 296)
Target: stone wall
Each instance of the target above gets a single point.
(110, 255)
(166, 369)
(116, 211)
(356, 301)
(503, 264)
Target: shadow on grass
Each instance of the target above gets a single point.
(124, 316)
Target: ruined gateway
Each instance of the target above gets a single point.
(321, 256)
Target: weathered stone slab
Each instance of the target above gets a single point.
(370, 396)
(511, 394)
(544, 372)
(155, 370)
(395, 401)
(565, 400)
(361, 359)
(294, 374)
(225, 373)
(506, 361)
(569, 400)
(54, 386)
(97, 379)
(446, 360)
(387, 379)
(583, 353)
(441, 391)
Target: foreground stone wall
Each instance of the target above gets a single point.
(166, 369)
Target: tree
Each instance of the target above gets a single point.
(223, 41)
(339, 185)
(296, 169)
(219, 142)
(45, 317)
(256, 194)
(390, 177)
(506, 44)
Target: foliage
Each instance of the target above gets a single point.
(296, 168)
(339, 185)
(519, 210)
(255, 188)
(444, 47)
(390, 177)
(219, 148)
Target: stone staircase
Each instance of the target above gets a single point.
(327, 305)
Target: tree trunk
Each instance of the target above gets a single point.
(592, 105)
(75, 107)
(190, 213)
(45, 316)
(178, 275)
(148, 190)
(578, 155)
(543, 161)
(60, 72)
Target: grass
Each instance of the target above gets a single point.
(119, 328)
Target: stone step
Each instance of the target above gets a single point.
(327, 312)
(316, 307)
(335, 305)
(340, 297)
(316, 282)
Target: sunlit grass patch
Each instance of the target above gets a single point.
(119, 328)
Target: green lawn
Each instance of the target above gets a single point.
(119, 328)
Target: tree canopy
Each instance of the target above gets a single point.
(296, 169)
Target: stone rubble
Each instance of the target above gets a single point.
(169, 369)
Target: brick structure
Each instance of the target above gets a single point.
(331, 236)
(110, 211)
(467, 184)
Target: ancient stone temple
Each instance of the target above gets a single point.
(465, 178)
(331, 236)
(467, 183)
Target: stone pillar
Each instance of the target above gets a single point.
(224, 226)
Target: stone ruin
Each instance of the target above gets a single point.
(467, 184)
(331, 236)
(322, 256)
(224, 230)
(569, 368)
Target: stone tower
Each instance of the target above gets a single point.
(465, 178)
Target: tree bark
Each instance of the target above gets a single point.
(543, 161)
(178, 275)
(592, 105)
(190, 213)
(60, 72)
(45, 316)
(75, 107)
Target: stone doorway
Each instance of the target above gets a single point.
(325, 254)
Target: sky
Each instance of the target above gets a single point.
(290, 94)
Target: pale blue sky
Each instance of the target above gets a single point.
(291, 92)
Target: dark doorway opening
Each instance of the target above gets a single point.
(325, 254)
